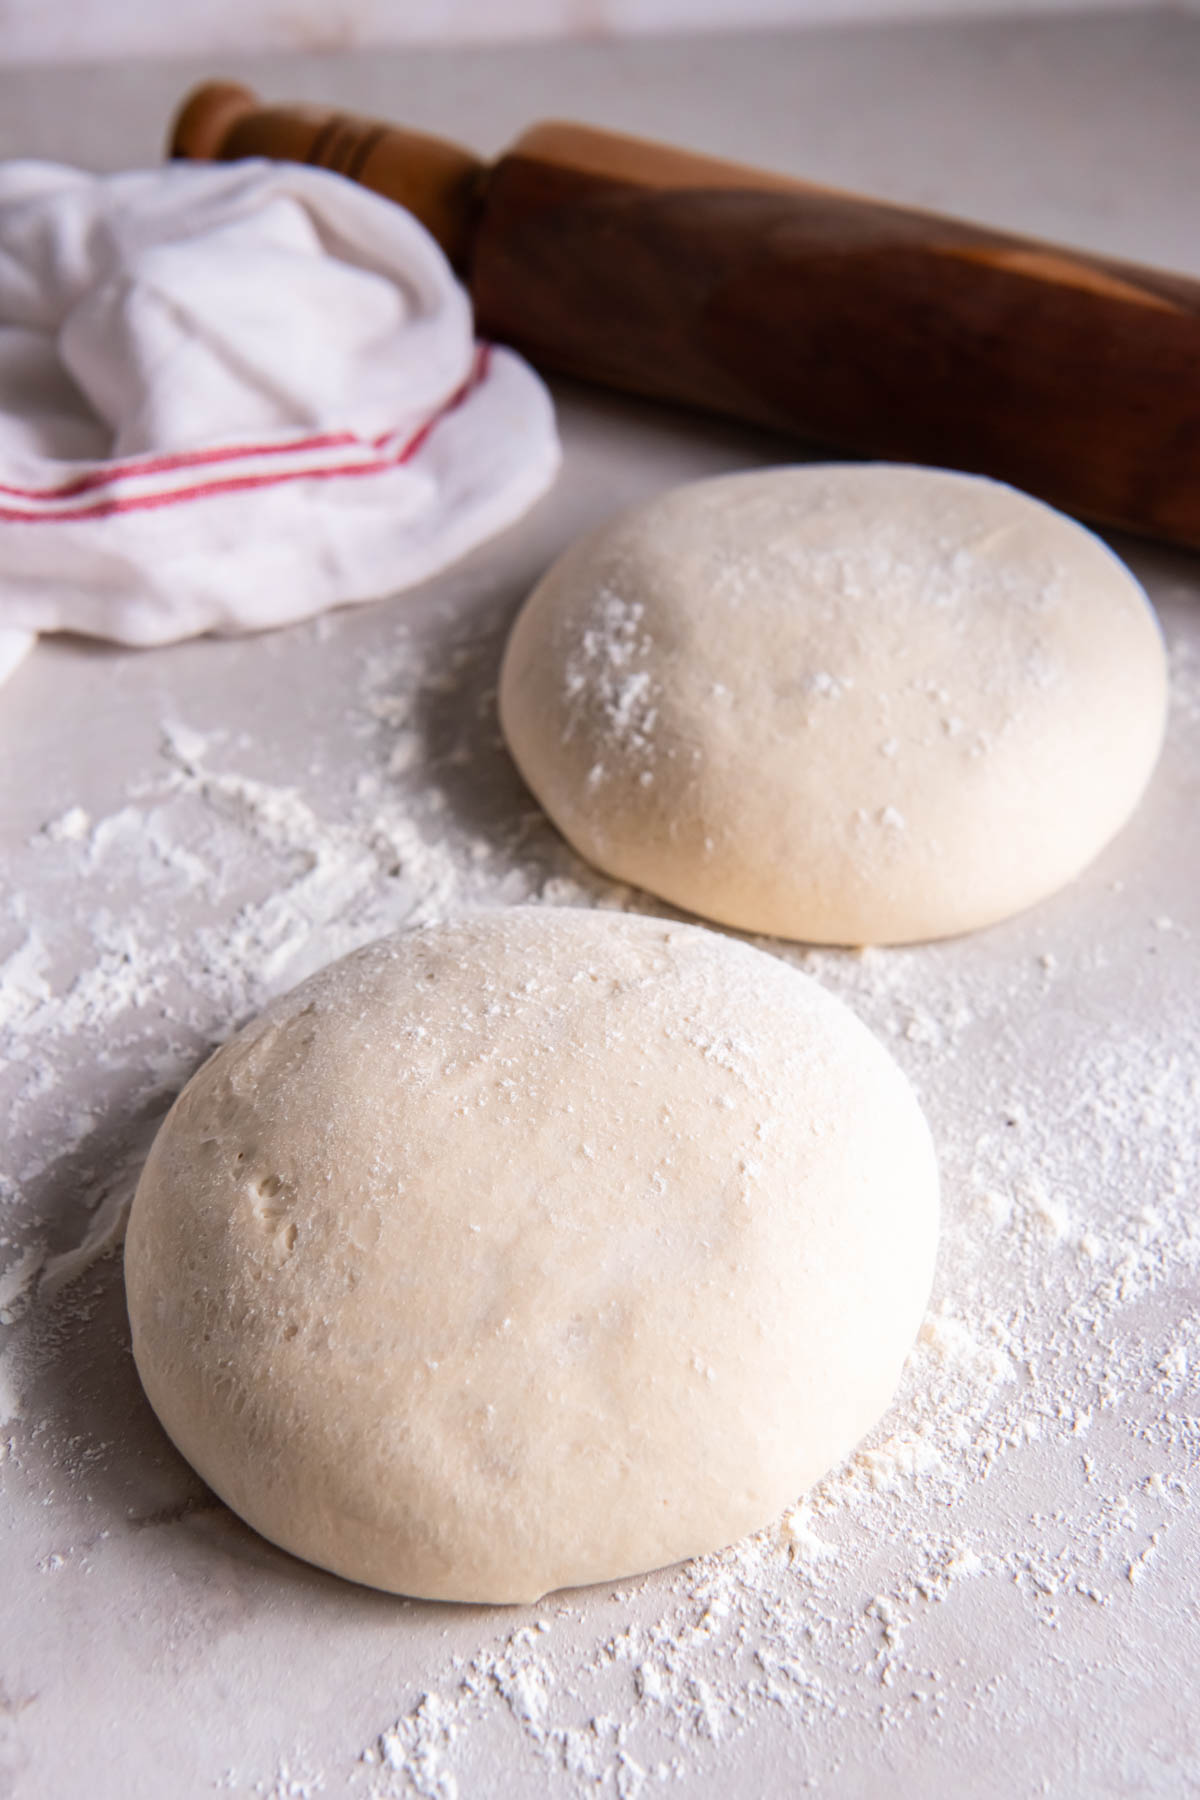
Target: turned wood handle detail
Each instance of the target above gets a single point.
(877, 329)
(438, 182)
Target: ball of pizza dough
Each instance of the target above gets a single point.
(850, 704)
(529, 1251)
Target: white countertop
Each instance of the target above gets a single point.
(1001, 1595)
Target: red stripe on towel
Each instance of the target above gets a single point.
(102, 508)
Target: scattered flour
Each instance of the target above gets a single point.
(1040, 1464)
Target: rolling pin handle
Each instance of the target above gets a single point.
(207, 117)
(440, 183)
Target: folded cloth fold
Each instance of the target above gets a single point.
(234, 395)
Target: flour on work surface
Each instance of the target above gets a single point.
(1038, 1468)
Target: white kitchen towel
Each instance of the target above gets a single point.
(233, 395)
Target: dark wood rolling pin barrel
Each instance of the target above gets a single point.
(873, 328)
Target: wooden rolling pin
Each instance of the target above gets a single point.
(881, 330)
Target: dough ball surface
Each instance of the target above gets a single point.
(534, 1250)
(848, 704)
